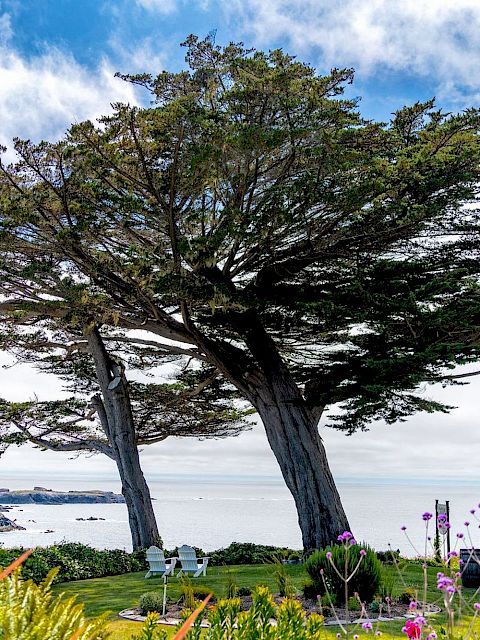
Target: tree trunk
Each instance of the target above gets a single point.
(141, 518)
(290, 427)
(298, 448)
(115, 414)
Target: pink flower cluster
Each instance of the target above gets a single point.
(347, 537)
(445, 584)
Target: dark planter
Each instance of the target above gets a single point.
(470, 567)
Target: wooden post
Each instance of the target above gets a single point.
(448, 519)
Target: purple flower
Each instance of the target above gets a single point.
(427, 516)
(452, 554)
(339, 635)
(404, 528)
(472, 511)
(367, 626)
(442, 517)
(445, 584)
(432, 635)
(420, 620)
(363, 552)
(412, 605)
(467, 524)
(355, 637)
(476, 606)
(378, 633)
(328, 555)
(459, 536)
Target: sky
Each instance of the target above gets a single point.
(57, 64)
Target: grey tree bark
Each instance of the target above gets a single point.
(114, 410)
(290, 425)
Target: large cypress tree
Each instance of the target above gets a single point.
(252, 215)
(104, 413)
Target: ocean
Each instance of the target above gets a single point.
(211, 512)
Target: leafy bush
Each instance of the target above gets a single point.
(354, 604)
(30, 611)
(408, 595)
(247, 553)
(309, 590)
(75, 561)
(389, 557)
(244, 591)
(374, 606)
(151, 602)
(365, 581)
(200, 592)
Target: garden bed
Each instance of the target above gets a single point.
(393, 612)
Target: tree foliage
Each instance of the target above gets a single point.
(251, 189)
(252, 216)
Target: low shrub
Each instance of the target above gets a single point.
(364, 581)
(248, 553)
(389, 557)
(151, 602)
(309, 590)
(374, 606)
(354, 604)
(244, 591)
(408, 595)
(200, 592)
(75, 561)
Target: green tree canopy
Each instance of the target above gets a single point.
(252, 215)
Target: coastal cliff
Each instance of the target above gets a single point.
(47, 496)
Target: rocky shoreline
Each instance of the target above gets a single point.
(8, 525)
(47, 496)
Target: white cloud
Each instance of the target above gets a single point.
(158, 6)
(437, 38)
(40, 97)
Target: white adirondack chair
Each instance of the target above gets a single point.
(191, 565)
(157, 563)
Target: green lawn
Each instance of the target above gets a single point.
(112, 594)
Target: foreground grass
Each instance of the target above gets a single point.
(114, 593)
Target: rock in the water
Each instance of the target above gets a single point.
(60, 497)
(8, 525)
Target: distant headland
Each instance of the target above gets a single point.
(41, 495)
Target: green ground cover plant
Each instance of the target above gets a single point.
(75, 561)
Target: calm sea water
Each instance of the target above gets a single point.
(211, 513)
